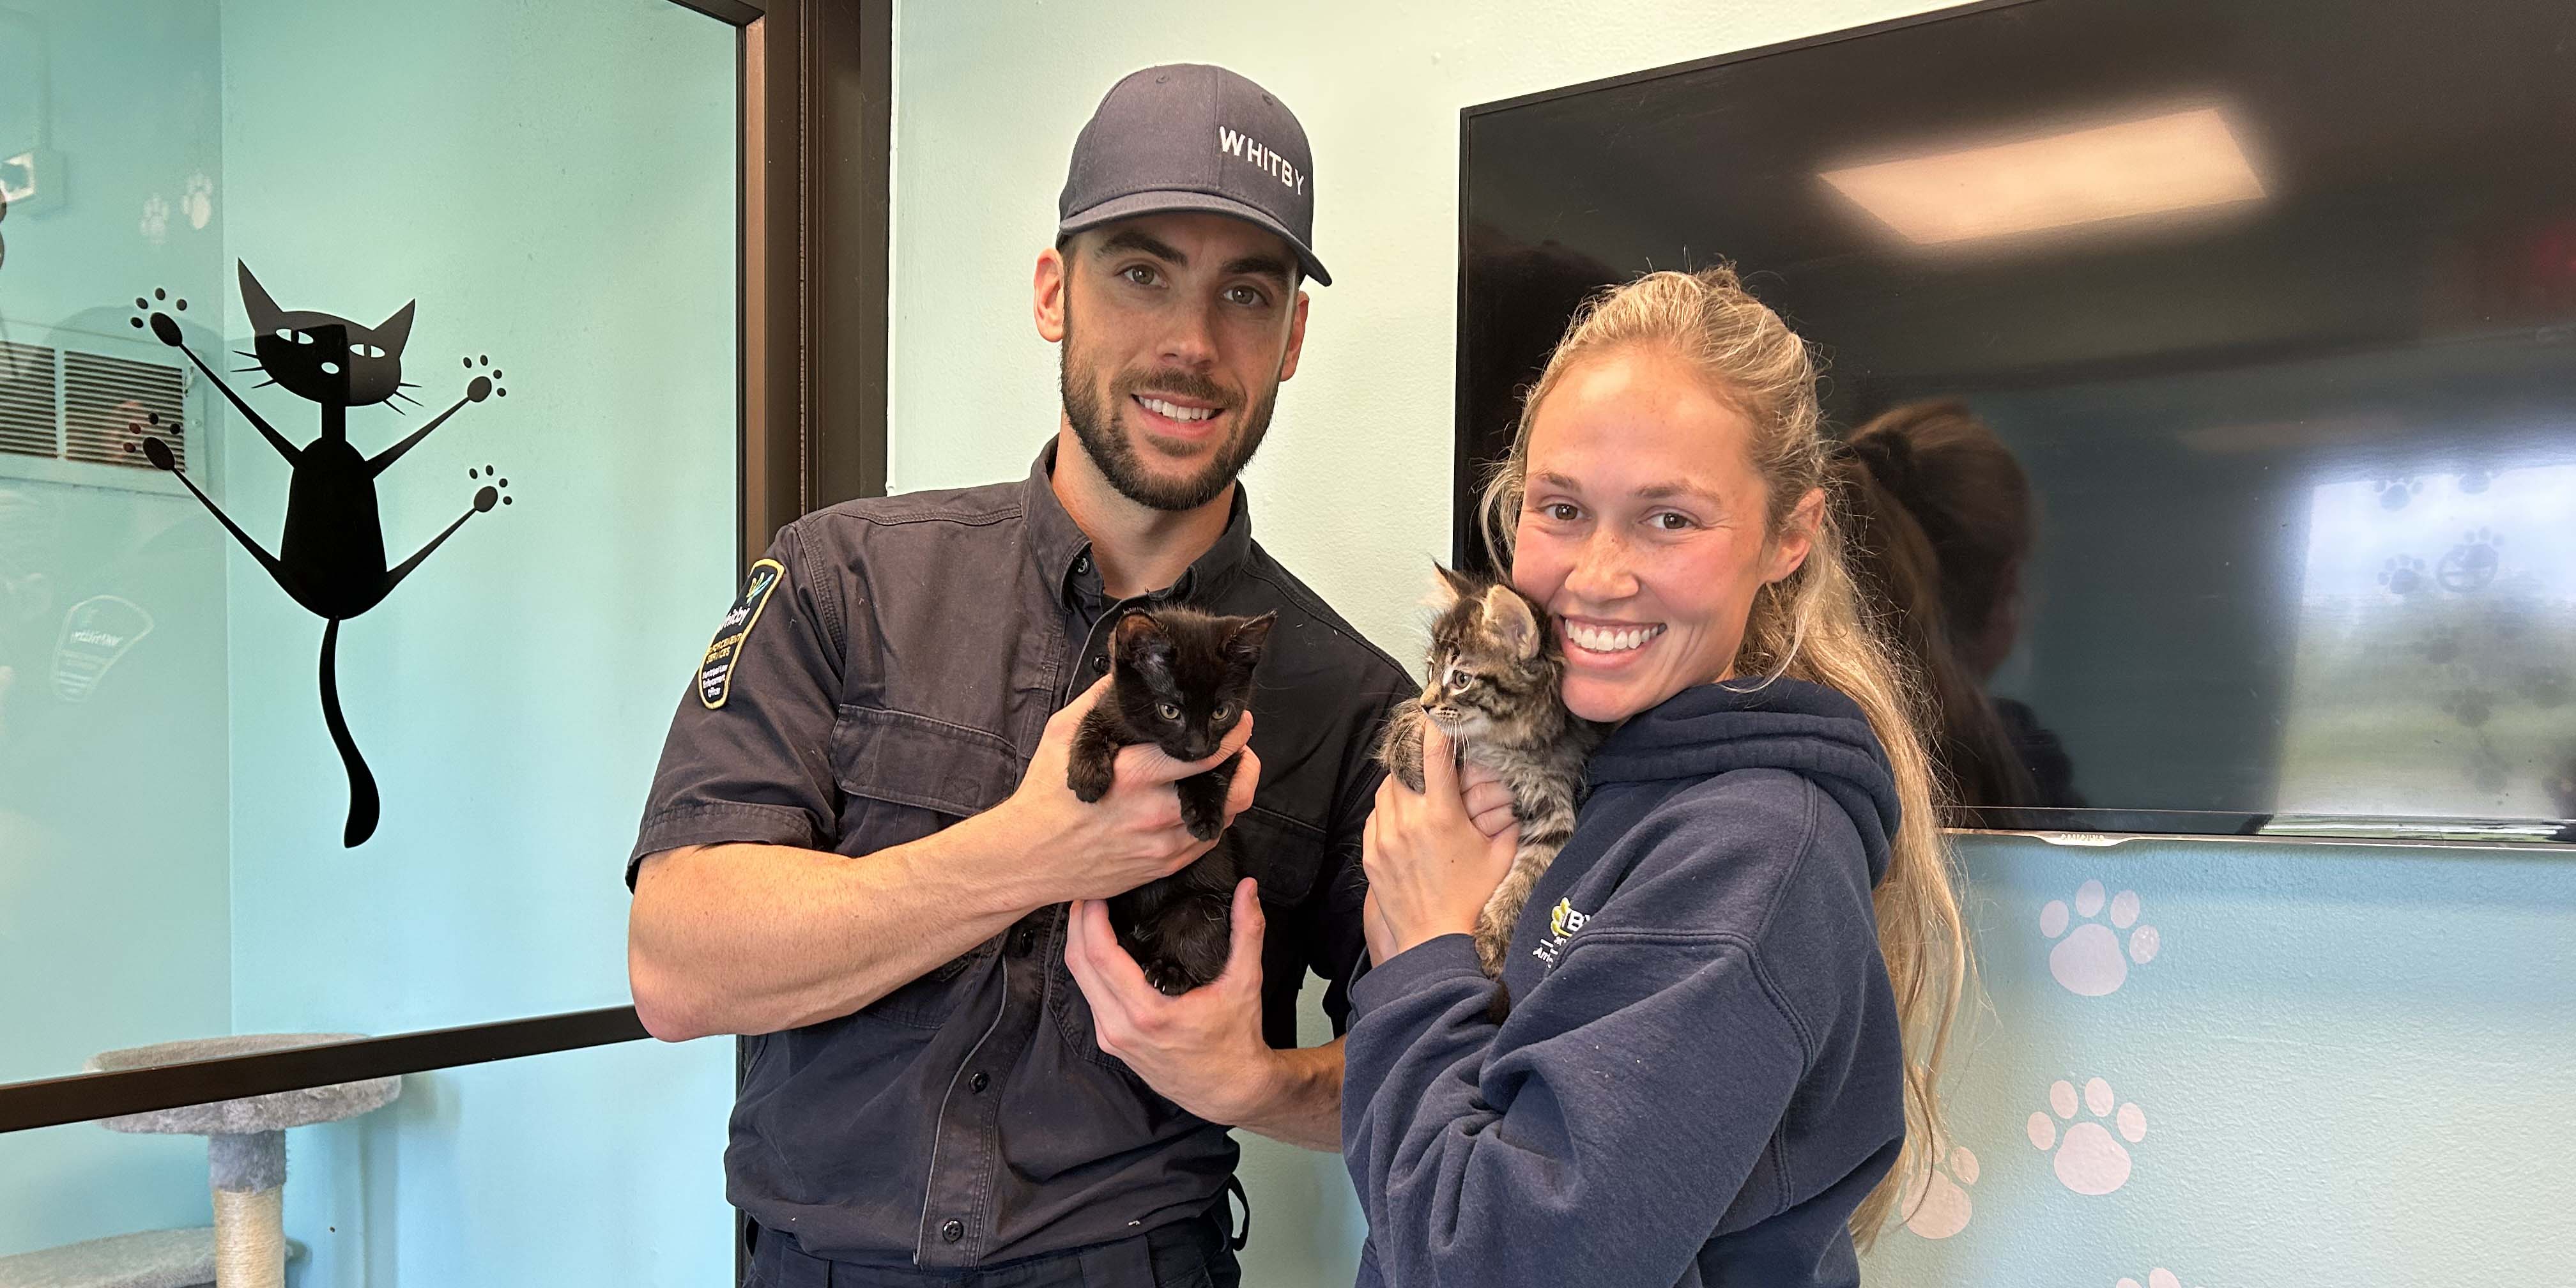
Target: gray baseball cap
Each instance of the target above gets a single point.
(1187, 136)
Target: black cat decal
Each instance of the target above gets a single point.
(331, 555)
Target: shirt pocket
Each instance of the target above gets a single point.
(902, 777)
(1282, 853)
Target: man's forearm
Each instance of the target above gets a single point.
(1303, 1105)
(759, 938)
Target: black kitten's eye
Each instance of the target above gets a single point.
(1167, 711)
(1223, 709)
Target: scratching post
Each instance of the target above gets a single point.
(246, 1143)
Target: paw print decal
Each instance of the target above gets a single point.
(2394, 493)
(493, 490)
(2156, 1278)
(2091, 958)
(198, 204)
(1939, 1207)
(2087, 1157)
(2441, 646)
(486, 383)
(2471, 707)
(2471, 565)
(154, 440)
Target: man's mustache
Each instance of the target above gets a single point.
(1178, 384)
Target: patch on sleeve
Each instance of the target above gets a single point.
(715, 675)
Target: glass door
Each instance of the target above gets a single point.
(369, 429)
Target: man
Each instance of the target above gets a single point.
(860, 848)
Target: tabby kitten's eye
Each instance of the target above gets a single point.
(1167, 711)
(1461, 681)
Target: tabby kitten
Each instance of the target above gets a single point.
(1494, 686)
(1180, 681)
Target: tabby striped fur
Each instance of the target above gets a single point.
(1494, 686)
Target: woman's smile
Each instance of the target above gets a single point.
(1603, 644)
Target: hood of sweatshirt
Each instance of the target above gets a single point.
(1806, 729)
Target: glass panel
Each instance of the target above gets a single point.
(513, 222)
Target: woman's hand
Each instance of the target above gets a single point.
(1430, 868)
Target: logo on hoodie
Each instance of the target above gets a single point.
(1562, 921)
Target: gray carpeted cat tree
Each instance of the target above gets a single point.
(246, 1157)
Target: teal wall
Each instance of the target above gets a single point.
(555, 184)
(2336, 1053)
(111, 806)
(2346, 1063)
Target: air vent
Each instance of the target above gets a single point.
(70, 412)
(27, 401)
(109, 403)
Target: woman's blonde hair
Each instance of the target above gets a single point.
(1811, 625)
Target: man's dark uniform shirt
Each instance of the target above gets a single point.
(896, 679)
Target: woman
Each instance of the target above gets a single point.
(1731, 991)
(1938, 517)
(1921, 555)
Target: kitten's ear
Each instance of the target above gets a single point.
(393, 331)
(1448, 586)
(1139, 640)
(265, 316)
(1244, 647)
(1510, 618)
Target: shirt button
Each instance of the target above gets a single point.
(1020, 942)
(953, 1230)
(979, 1082)
(1100, 664)
(1082, 563)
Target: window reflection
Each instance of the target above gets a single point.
(2436, 631)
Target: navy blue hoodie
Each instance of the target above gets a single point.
(1702, 1074)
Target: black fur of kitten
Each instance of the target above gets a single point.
(1179, 680)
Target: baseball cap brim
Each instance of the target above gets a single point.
(1168, 201)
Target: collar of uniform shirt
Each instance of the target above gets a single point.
(1063, 552)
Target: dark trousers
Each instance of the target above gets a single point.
(1187, 1254)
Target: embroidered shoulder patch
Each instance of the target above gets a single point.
(715, 675)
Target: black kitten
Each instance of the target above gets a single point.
(1180, 682)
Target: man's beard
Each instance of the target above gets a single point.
(1095, 425)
